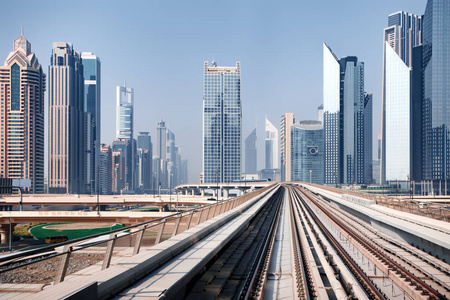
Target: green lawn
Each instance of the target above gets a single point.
(40, 233)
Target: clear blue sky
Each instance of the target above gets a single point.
(159, 48)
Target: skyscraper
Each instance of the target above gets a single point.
(400, 37)
(22, 87)
(287, 120)
(222, 123)
(122, 156)
(144, 162)
(347, 118)
(271, 146)
(436, 91)
(92, 105)
(307, 161)
(161, 155)
(125, 128)
(250, 153)
(105, 165)
(66, 121)
(124, 112)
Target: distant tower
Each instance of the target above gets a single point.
(347, 117)
(92, 107)
(22, 87)
(125, 129)
(404, 32)
(271, 146)
(105, 165)
(250, 153)
(66, 125)
(222, 123)
(287, 120)
(436, 92)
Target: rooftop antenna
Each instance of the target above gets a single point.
(21, 30)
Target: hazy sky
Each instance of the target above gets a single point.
(159, 48)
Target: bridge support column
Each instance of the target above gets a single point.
(4, 233)
(186, 192)
(202, 191)
(193, 192)
(225, 193)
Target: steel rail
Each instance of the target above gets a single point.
(374, 250)
(249, 288)
(366, 283)
(303, 288)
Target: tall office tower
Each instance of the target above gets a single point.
(287, 120)
(320, 113)
(404, 32)
(222, 123)
(144, 162)
(125, 126)
(161, 154)
(66, 121)
(184, 171)
(271, 146)
(250, 153)
(436, 91)
(364, 149)
(92, 105)
(22, 87)
(122, 156)
(171, 159)
(347, 115)
(307, 157)
(105, 170)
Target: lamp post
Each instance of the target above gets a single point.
(217, 188)
(310, 173)
(98, 191)
(177, 201)
(170, 189)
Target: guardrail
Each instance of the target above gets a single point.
(149, 233)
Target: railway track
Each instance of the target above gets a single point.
(240, 270)
(358, 250)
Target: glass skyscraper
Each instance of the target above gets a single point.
(124, 112)
(222, 123)
(92, 105)
(400, 37)
(271, 146)
(125, 131)
(307, 154)
(66, 125)
(347, 117)
(250, 153)
(436, 90)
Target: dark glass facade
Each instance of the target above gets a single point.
(307, 156)
(436, 91)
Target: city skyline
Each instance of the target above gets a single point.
(298, 93)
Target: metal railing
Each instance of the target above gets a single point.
(163, 228)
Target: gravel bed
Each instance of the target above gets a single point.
(45, 271)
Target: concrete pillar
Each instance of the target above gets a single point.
(214, 193)
(193, 192)
(225, 192)
(203, 192)
(185, 192)
(4, 233)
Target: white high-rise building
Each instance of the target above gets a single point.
(404, 32)
(271, 146)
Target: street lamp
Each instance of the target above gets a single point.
(98, 191)
(310, 172)
(217, 188)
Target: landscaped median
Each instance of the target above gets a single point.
(71, 230)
